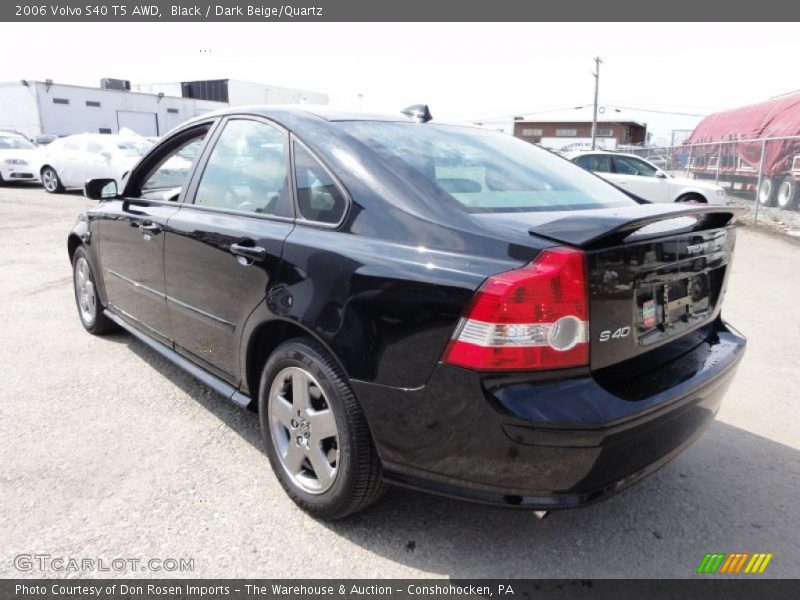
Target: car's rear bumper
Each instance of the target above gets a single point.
(546, 443)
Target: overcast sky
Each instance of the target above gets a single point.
(463, 71)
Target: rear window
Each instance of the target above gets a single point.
(485, 171)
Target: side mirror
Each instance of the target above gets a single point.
(100, 189)
(660, 174)
(106, 154)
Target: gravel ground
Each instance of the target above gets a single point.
(110, 452)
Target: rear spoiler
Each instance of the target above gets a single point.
(611, 226)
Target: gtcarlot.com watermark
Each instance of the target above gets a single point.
(73, 564)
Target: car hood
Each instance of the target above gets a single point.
(17, 153)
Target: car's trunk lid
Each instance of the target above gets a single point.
(654, 272)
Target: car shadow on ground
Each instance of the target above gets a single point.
(731, 491)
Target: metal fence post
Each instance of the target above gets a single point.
(760, 177)
(719, 160)
(689, 159)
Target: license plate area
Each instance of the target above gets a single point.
(673, 301)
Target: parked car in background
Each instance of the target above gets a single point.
(646, 180)
(70, 161)
(17, 158)
(429, 305)
(43, 139)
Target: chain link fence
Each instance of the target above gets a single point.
(766, 170)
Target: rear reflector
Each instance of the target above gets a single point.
(535, 317)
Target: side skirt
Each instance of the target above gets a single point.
(212, 381)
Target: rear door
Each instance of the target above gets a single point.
(223, 249)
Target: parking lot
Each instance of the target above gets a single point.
(109, 451)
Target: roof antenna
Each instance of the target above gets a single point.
(418, 112)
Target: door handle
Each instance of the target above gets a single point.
(149, 227)
(254, 253)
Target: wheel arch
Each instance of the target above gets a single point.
(686, 193)
(262, 341)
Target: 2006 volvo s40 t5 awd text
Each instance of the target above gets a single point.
(434, 306)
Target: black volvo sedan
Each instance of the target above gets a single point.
(434, 306)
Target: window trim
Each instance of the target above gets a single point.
(211, 124)
(348, 201)
(205, 154)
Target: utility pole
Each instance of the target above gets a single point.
(596, 74)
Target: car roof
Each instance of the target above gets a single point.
(576, 153)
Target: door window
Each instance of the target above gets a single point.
(318, 197)
(247, 170)
(596, 163)
(166, 180)
(628, 165)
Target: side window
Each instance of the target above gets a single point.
(247, 170)
(596, 163)
(318, 197)
(628, 165)
(166, 180)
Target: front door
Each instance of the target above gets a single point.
(223, 249)
(131, 241)
(131, 231)
(640, 178)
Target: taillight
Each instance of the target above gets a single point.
(535, 317)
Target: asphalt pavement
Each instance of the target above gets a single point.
(107, 451)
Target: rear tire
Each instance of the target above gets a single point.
(90, 308)
(2, 181)
(315, 433)
(766, 192)
(51, 181)
(788, 195)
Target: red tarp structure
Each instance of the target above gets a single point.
(773, 118)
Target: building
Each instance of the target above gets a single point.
(235, 92)
(37, 107)
(576, 135)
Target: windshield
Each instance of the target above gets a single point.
(13, 142)
(485, 171)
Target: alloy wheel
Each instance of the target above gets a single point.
(49, 180)
(303, 430)
(84, 290)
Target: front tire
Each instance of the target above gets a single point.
(50, 181)
(788, 195)
(315, 433)
(90, 309)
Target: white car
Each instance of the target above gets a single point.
(17, 158)
(644, 179)
(70, 161)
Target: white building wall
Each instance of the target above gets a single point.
(247, 92)
(19, 109)
(34, 110)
